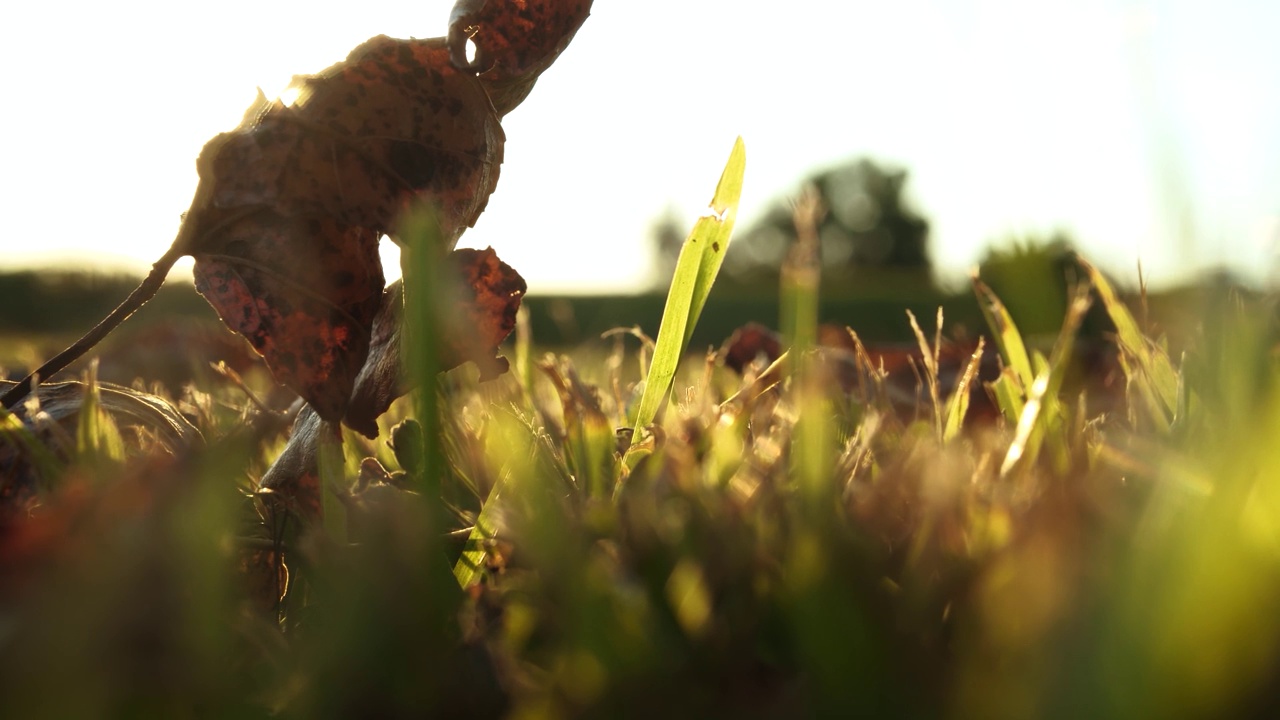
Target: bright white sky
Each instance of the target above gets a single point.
(1149, 130)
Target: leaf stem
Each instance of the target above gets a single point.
(146, 290)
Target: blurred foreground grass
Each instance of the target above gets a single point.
(797, 548)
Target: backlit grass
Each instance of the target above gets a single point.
(787, 543)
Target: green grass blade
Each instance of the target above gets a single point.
(696, 269)
(813, 441)
(333, 480)
(1146, 366)
(1026, 440)
(1127, 331)
(1008, 338)
(958, 403)
(929, 358)
(801, 279)
(1010, 397)
(1042, 416)
(470, 566)
(428, 290)
(98, 439)
(18, 436)
(524, 466)
(717, 231)
(523, 364)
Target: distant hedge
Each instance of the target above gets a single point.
(59, 302)
(68, 303)
(33, 303)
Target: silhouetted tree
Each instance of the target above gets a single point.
(866, 223)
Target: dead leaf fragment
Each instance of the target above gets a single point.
(515, 41)
(482, 315)
(490, 292)
(309, 320)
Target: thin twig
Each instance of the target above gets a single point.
(140, 295)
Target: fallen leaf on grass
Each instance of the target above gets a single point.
(286, 219)
(483, 314)
(285, 224)
(478, 319)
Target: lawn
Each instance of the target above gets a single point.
(641, 531)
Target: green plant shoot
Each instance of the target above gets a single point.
(696, 269)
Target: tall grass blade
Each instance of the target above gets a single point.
(519, 458)
(427, 291)
(524, 356)
(801, 276)
(1008, 338)
(696, 269)
(470, 566)
(958, 403)
(930, 358)
(1146, 366)
(97, 436)
(813, 442)
(717, 229)
(1042, 415)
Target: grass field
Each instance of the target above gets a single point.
(811, 538)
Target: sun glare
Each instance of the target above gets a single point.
(290, 95)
